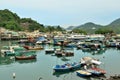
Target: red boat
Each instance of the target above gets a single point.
(33, 48)
(25, 57)
(99, 70)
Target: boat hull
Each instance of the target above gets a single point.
(66, 67)
(83, 73)
(95, 73)
(33, 48)
(99, 70)
(49, 51)
(25, 57)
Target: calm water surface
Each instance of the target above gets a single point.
(42, 66)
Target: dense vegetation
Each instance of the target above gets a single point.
(104, 31)
(12, 21)
(79, 31)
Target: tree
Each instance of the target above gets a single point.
(79, 31)
(58, 28)
(12, 26)
(104, 31)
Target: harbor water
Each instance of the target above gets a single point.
(42, 67)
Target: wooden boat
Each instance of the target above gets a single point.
(63, 53)
(25, 57)
(33, 48)
(83, 73)
(66, 67)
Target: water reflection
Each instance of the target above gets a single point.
(6, 60)
(9, 60)
(68, 75)
(26, 61)
(44, 63)
(58, 74)
(65, 59)
(85, 78)
(93, 77)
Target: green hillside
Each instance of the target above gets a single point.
(115, 25)
(12, 21)
(91, 27)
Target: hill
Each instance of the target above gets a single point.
(12, 21)
(115, 25)
(70, 28)
(89, 27)
(92, 27)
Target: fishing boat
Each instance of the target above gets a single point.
(99, 70)
(61, 53)
(90, 60)
(83, 73)
(48, 51)
(66, 67)
(25, 57)
(33, 48)
(94, 72)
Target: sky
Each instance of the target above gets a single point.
(65, 12)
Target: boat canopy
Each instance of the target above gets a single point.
(41, 38)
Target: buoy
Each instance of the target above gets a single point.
(14, 75)
(40, 78)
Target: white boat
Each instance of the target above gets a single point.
(83, 73)
(89, 60)
(47, 51)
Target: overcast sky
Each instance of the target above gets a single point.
(65, 12)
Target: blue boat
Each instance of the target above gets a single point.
(66, 67)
